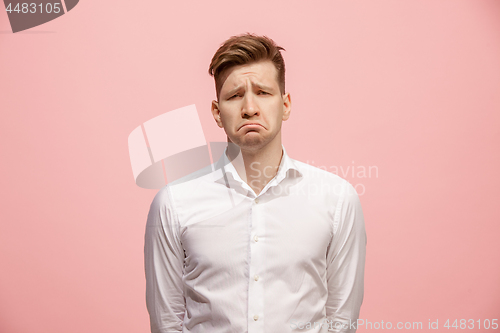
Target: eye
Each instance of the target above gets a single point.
(235, 95)
(263, 92)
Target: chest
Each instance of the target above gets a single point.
(288, 232)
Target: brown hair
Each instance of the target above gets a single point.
(245, 49)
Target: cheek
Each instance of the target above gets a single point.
(278, 114)
(227, 120)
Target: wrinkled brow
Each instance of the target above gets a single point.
(258, 85)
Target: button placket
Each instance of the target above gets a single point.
(257, 256)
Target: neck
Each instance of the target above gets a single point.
(257, 167)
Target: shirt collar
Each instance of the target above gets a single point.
(287, 168)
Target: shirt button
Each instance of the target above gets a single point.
(256, 238)
(256, 278)
(256, 317)
(257, 200)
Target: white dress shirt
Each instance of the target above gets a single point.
(219, 258)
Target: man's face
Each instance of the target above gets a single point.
(251, 106)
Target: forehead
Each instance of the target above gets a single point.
(262, 71)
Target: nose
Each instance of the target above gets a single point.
(250, 107)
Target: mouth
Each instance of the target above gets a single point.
(251, 126)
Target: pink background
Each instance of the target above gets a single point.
(411, 87)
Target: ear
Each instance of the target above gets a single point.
(287, 106)
(216, 113)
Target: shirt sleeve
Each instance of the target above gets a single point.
(164, 263)
(346, 263)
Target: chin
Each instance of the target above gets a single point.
(253, 143)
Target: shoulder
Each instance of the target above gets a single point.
(352, 212)
(183, 188)
(160, 206)
(313, 171)
(324, 179)
(350, 194)
(192, 198)
(162, 197)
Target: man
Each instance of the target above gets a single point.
(263, 243)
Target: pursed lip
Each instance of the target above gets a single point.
(247, 124)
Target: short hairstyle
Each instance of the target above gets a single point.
(246, 49)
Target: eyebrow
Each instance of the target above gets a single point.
(258, 85)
